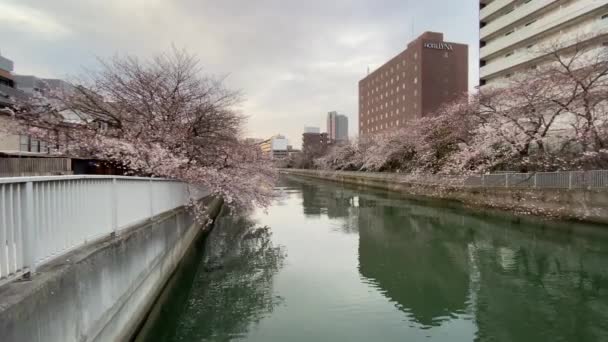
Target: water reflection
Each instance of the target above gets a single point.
(367, 265)
(230, 290)
(416, 261)
(518, 280)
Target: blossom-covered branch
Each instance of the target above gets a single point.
(158, 117)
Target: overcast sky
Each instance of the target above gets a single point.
(293, 60)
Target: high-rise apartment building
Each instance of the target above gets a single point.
(337, 127)
(514, 35)
(415, 83)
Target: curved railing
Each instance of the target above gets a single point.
(44, 217)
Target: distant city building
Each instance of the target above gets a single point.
(33, 85)
(10, 92)
(276, 147)
(414, 84)
(337, 127)
(6, 72)
(314, 143)
(513, 33)
(316, 130)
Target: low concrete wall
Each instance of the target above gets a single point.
(103, 291)
(582, 205)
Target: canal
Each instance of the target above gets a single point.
(336, 263)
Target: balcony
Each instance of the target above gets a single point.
(507, 63)
(519, 13)
(493, 7)
(544, 24)
(597, 28)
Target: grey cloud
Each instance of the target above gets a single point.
(293, 60)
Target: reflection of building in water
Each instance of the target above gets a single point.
(331, 200)
(416, 261)
(520, 281)
(310, 199)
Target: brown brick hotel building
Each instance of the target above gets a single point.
(429, 73)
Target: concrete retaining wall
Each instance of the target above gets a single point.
(103, 291)
(583, 205)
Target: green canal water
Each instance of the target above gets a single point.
(335, 263)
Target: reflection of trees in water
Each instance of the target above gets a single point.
(523, 280)
(233, 285)
(533, 282)
(329, 200)
(541, 285)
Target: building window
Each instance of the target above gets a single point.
(605, 16)
(530, 23)
(509, 33)
(509, 54)
(415, 80)
(24, 143)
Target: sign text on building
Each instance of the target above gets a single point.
(439, 46)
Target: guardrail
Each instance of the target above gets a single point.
(594, 179)
(44, 217)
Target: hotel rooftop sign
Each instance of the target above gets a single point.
(439, 46)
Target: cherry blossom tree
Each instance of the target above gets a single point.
(423, 145)
(548, 117)
(160, 117)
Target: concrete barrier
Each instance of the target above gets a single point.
(102, 291)
(576, 204)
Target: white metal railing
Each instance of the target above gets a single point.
(596, 179)
(593, 179)
(44, 217)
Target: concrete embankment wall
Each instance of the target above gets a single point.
(103, 291)
(582, 205)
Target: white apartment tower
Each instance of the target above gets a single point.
(513, 32)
